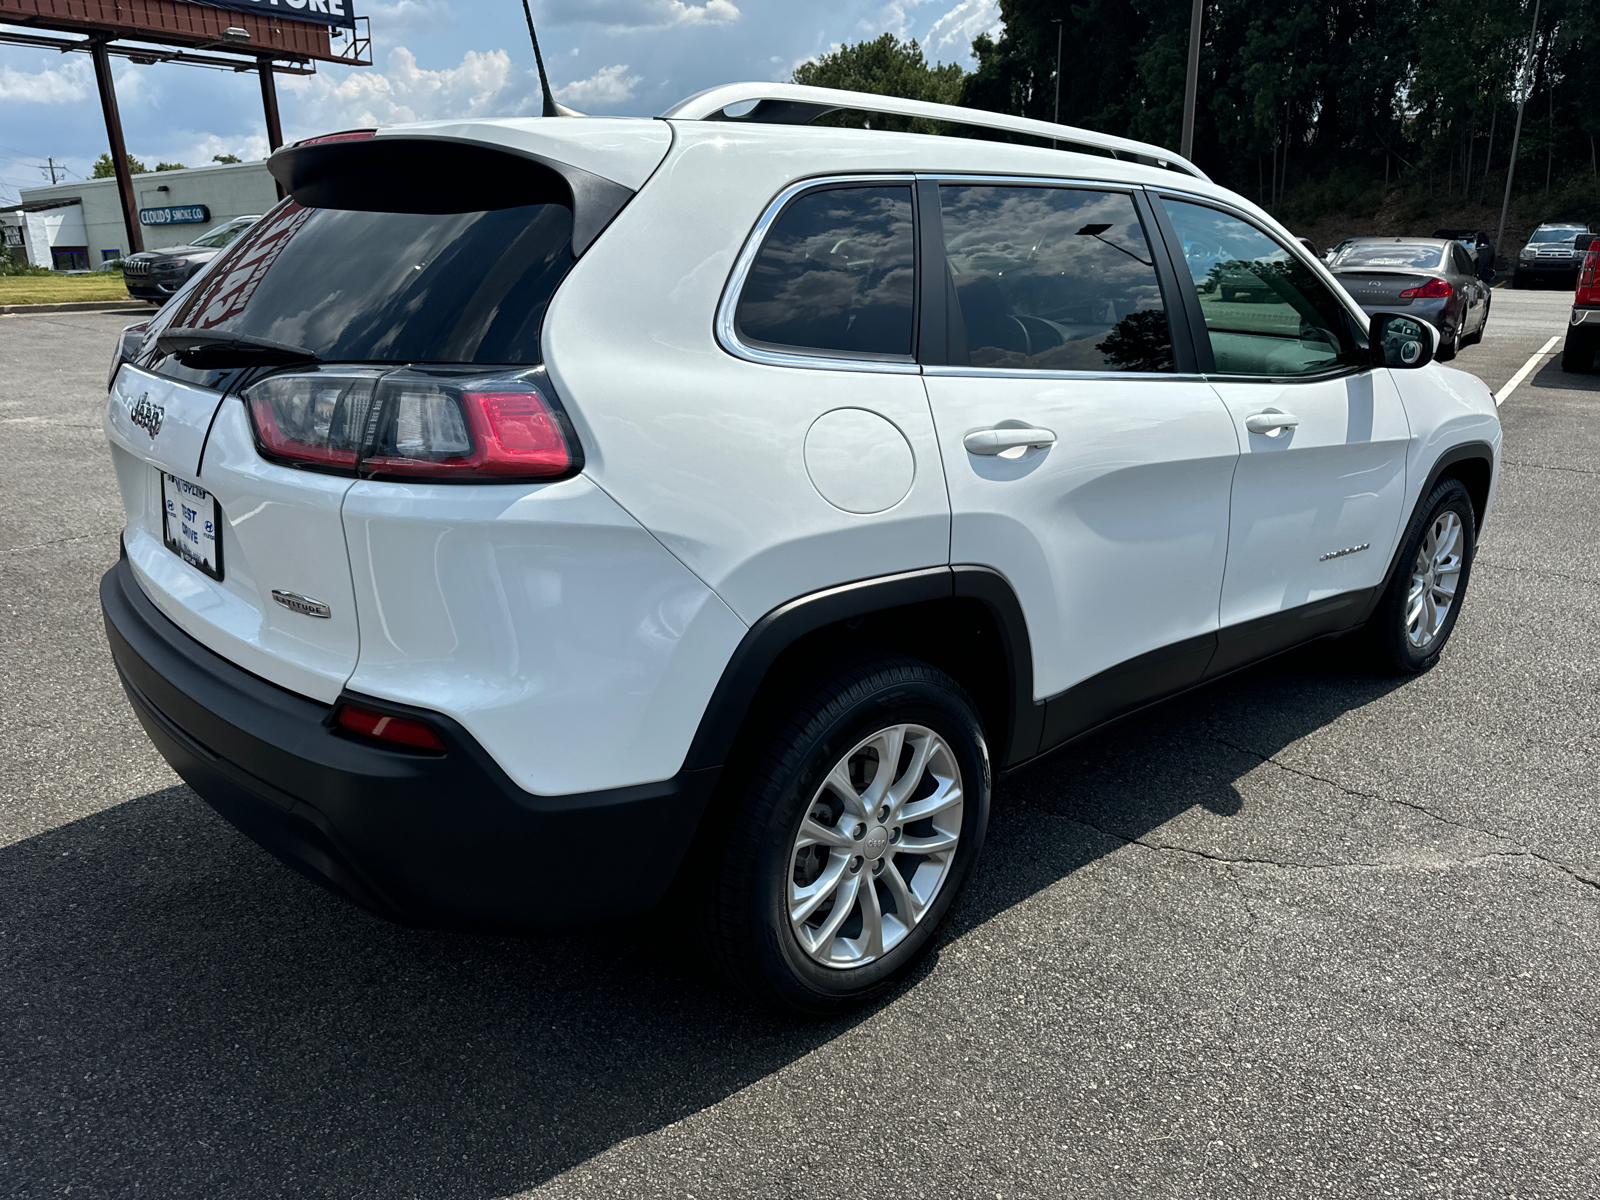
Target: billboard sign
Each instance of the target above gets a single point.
(180, 214)
(320, 12)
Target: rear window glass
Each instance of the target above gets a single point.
(836, 273)
(391, 287)
(1388, 254)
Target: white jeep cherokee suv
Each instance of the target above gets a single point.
(533, 521)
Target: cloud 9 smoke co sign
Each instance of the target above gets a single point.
(181, 214)
(319, 12)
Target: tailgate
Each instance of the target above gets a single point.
(186, 464)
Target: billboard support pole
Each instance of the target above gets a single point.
(119, 149)
(269, 105)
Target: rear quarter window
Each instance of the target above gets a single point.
(836, 274)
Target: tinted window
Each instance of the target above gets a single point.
(1391, 254)
(1265, 312)
(835, 274)
(221, 235)
(1054, 278)
(391, 287)
(1463, 264)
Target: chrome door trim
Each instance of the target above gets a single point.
(726, 329)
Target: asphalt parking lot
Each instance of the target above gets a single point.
(1307, 932)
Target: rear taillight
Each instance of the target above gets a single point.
(384, 727)
(1589, 277)
(1434, 289)
(414, 424)
(318, 419)
(127, 349)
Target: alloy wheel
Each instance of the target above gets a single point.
(875, 846)
(1435, 577)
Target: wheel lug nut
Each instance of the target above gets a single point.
(877, 867)
(894, 835)
(855, 864)
(859, 832)
(883, 813)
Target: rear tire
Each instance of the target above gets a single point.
(811, 906)
(1448, 350)
(1419, 608)
(1577, 353)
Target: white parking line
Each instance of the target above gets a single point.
(1527, 369)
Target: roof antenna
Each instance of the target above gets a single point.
(551, 108)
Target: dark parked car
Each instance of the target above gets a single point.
(1583, 329)
(155, 275)
(1477, 244)
(1551, 255)
(1430, 278)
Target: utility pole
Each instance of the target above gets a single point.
(1516, 134)
(1057, 117)
(52, 163)
(1191, 83)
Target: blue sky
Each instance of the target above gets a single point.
(439, 58)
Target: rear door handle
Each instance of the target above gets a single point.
(1270, 422)
(998, 441)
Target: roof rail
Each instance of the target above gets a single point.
(793, 104)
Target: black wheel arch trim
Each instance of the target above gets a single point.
(1464, 452)
(786, 624)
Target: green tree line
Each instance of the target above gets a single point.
(1345, 99)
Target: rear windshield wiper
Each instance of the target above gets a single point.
(221, 348)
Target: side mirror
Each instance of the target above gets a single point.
(1402, 342)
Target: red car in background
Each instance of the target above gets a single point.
(1583, 330)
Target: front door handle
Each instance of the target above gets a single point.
(1271, 422)
(998, 441)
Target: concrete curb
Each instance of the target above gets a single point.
(12, 310)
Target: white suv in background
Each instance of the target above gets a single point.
(535, 521)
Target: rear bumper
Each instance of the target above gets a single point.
(1587, 317)
(437, 840)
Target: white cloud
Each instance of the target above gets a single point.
(606, 87)
(622, 15)
(405, 15)
(483, 84)
(66, 85)
(205, 147)
(951, 36)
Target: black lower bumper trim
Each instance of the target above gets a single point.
(437, 840)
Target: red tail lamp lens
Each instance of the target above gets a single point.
(1589, 276)
(399, 731)
(519, 432)
(1434, 289)
(433, 429)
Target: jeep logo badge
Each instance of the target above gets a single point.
(877, 841)
(147, 416)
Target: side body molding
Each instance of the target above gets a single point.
(781, 628)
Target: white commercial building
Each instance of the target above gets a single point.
(77, 226)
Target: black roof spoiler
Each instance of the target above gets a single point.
(422, 174)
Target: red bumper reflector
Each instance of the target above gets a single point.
(400, 731)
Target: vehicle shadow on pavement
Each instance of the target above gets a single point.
(188, 1018)
(1552, 376)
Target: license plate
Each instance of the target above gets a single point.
(191, 523)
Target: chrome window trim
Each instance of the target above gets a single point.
(1044, 373)
(727, 333)
(1051, 181)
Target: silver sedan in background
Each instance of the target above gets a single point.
(1431, 278)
